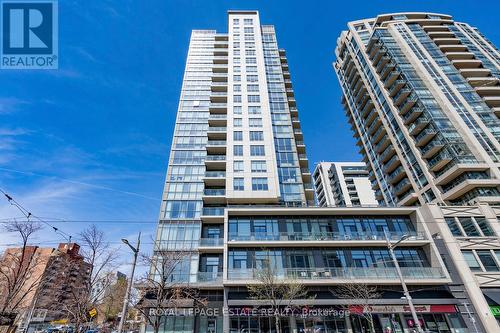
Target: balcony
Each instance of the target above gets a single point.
(411, 115)
(367, 108)
(459, 55)
(215, 178)
(389, 75)
(396, 87)
(492, 101)
(294, 112)
(446, 41)
(402, 186)
(218, 96)
(432, 148)
(401, 96)
(440, 34)
(439, 161)
(425, 136)
(324, 236)
(379, 134)
(219, 77)
(396, 175)
(303, 161)
(418, 125)
(211, 242)
(382, 62)
(214, 195)
(219, 87)
(409, 103)
(382, 145)
(298, 134)
(466, 185)
(215, 161)
(217, 119)
(216, 132)
(217, 108)
(210, 278)
(452, 48)
(482, 81)
(216, 146)
(466, 63)
(370, 274)
(212, 214)
(475, 72)
(488, 91)
(392, 164)
(387, 154)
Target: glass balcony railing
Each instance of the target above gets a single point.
(216, 142)
(215, 174)
(211, 242)
(325, 236)
(379, 273)
(197, 278)
(213, 211)
(215, 158)
(214, 192)
(217, 129)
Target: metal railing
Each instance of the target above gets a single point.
(215, 158)
(325, 236)
(379, 273)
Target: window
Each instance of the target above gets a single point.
(237, 87)
(247, 21)
(248, 30)
(238, 184)
(259, 184)
(256, 136)
(255, 122)
(236, 21)
(237, 69)
(238, 150)
(253, 98)
(252, 69)
(254, 110)
(249, 52)
(253, 88)
(259, 166)
(238, 136)
(238, 122)
(471, 261)
(236, 52)
(469, 227)
(487, 260)
(257, 150)
(252, 78)
(236, 45)
(237, 98)
(237, 109)
(237, 78)
(236, 60)
(454, 228)
(484, 226)
(238, 166)
(251, 60)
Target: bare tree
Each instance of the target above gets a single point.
(362, 294)
(19, 269)
(163, 287)
(279, 293)
(101, 260)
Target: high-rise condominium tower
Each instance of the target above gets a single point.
(237, 141)
(422, 94)
(344, 184)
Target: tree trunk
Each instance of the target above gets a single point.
(277, 323)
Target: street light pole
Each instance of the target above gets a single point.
(391, 248)
(129, 287)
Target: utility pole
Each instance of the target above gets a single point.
(129, 287)
(391, 248)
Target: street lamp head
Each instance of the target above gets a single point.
(125, 241)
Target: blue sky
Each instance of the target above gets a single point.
(90, 141)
